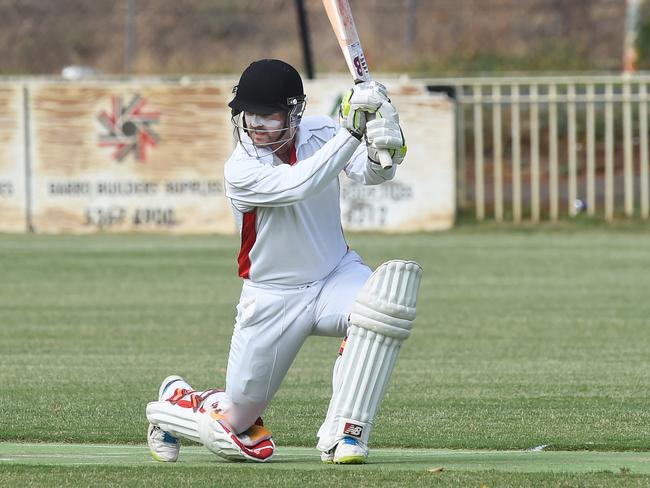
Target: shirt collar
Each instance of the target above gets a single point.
(305, 132)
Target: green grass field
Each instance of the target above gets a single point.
(523, 338)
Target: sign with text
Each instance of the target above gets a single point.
(130, 157)
(148, 156)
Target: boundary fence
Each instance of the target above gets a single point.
(534, 148)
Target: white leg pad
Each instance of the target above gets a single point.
(218, 438)
(207, 428)
(178, 421)
(381, 319)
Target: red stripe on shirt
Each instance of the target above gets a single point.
(248, 236)
(293, 157)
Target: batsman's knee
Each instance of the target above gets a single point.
(387, 302)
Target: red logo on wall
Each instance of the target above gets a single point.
(129, 128)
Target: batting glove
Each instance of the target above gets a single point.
(366, 97)
(384, 132)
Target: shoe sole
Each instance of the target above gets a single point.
(165, 383)
(350, 460)
(156, 457)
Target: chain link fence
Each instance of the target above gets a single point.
(431, 37)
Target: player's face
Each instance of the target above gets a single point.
(265, 129)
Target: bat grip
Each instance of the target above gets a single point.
(384, 158)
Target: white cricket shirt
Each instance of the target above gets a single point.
(289, 215)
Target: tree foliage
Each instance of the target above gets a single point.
(643, 38)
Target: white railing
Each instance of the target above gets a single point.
(533, 148)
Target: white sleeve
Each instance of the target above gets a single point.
(250, 183)
(363, 170)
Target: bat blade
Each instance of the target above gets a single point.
(345, 30)
(340, 16)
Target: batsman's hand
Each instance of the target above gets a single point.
(368, 96)
(384, 132)
(364, 98)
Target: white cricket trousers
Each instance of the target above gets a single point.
(272, 325)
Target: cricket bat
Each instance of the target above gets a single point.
(345, 30)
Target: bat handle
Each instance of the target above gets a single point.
(384, 158)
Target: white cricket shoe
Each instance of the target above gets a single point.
(348, 451)
(163, 446)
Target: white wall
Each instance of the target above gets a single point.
(175, 182)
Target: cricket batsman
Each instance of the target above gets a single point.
(300, 278)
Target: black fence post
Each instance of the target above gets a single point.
(304, 37)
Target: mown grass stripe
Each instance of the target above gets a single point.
(307, 459)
